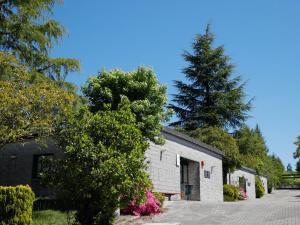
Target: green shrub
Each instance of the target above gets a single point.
(16, 205)
(259, 188)
(231, 192)
(160, 197)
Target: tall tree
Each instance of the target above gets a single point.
(104, 161)
(220, 139)
(29, 108)
(297, 152)
(273, 169)
(212, 97)
(252, 148)
(146, 97)
(27, 31)
(298, 166)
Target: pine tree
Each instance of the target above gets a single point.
(211, 97)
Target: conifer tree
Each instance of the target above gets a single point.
(211, 97)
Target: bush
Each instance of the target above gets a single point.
(103, 161)
(16, 205)
(259, 188)
(151, 206)
(161, 198)
(231, 193)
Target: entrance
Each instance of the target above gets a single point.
(189, 179)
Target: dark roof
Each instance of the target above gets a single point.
(247, 169)
(192, 140)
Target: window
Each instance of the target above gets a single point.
(206, 174)
(40, 164)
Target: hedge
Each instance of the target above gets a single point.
(16, 205)
(259, 188)
(231, 193)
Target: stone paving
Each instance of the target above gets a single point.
(280, 208)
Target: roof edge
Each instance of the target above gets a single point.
(192, 140)
(247, 169)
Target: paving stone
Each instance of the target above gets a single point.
(280, 208)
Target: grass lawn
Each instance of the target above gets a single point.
(50, 217)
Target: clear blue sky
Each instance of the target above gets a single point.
(262, 38)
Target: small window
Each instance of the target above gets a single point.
(40, 164)
(206, 174)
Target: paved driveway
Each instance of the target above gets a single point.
(280, 208)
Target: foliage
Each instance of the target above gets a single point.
(161, 198)
(273, 169)
(252, 148)
(51, 217)
(104, 160)
(298, 166)
(147, 98)
(230, 192)
(259, 188)
(220, 139)
(212, 97)
(151, 206)
(16, 205)
(297, 152)
(28, 32)
(30, 106)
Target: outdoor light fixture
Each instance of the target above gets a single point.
(13, 157)
(202, 164)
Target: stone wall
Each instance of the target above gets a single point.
(165, 172)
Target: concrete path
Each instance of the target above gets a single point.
(280, 208)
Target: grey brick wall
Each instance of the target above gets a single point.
(234, 179)
(165, 174)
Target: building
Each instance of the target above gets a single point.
(21, 163)
(244, 178)
(184, 168)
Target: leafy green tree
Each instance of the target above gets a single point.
(27, 31)
(104, 161)
(252, 148)
(298, 166)
(220, 139)
(147, 97)
(259, 188)
(211, 97)
(297, 152)
(29, 107)
(273, 169)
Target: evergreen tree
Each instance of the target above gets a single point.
(252, 148)
(27, 32)
(211, 97)
(298, 166)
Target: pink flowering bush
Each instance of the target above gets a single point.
(243, 194)
(151, 206)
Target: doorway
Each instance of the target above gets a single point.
(189, 179)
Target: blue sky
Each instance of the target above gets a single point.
(261, 37)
